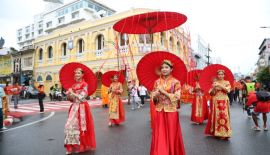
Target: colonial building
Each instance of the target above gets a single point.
(95, 44)
(27, 64)
(58, 15)
(5, 65)
(264, 54)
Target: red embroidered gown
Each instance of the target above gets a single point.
(219, 124)
(199, 111)
(116, 108)
(79, 128)
(167, 135)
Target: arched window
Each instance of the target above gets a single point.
(48, 78)
(64, 49)
(39, 79)
(40, 54)
(171, 43)
(145, 38)
(80, 45)
(100, 42)
(50, 52)
(124, 39)
(178, 46)
(162, 38)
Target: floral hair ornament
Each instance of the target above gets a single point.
(221, 70)
(79, 69)
(167, 62)
(115, 75)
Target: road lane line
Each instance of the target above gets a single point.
(21, 110)
(25, 125)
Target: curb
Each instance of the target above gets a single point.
(8, 121)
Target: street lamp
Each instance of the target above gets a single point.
(263, 27)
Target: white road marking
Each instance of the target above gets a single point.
(28, 124)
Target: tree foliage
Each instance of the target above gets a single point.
(263, 76)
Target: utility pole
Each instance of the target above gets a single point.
(208, 55)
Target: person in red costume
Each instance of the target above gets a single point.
(199, 111)
(219, 124)
(116, 109)
(79, 128)
(166, 135)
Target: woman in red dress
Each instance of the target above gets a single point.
(167, 136)
(219, 124)
(79, 128)
(199, 111)
(116, 109)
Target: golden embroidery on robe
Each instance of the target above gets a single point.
(168, 103)
(114, 97)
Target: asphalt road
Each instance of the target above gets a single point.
(45, 135)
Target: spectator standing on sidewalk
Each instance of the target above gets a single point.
(142, 93)
(2, 94)
(129, 91)
(134, 96)
(16, 90)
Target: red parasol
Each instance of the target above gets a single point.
(106, 78)
(149, 66)
(66, 76)
(150, 22)
(193, 76)
(210, 72)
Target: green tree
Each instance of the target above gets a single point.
(263, 76)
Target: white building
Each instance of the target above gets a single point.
(200, 52)
(58, 15)
(264, 54)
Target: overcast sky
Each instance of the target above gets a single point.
(231, 27)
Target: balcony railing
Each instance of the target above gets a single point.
(80, 55)
(49, 60)
(40, 62)
(99, 53)
(123, 49)
(64, 58)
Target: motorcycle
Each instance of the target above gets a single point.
(56, 96)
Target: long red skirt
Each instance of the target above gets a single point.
(203, 111)
(121, 114)
(167, 135)
(152, 113)
(87, 138)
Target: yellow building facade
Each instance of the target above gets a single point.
(94, 43)
(5, 67)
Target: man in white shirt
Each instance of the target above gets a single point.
(142, 93)
(134, 96)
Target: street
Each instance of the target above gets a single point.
(45, 136)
